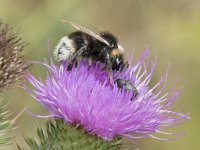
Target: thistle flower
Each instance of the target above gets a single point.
(84, 97)
(12, 63)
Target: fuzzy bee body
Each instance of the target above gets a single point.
(84, 43)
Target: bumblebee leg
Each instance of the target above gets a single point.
(74, 58)
(126, 65)
(69, 67)
(78, 53)
(108, 64)
(104, 68)
(108, 67)
(110, 75)
(78, 61)
(135, 93)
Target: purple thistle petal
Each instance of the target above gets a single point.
(84, 96)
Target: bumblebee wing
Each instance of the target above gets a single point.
(87, 31)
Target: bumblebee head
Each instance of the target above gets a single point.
(118, 63)
(116, 51)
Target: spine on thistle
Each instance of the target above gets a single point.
(12, 68)
(61, 136)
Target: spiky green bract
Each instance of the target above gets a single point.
(5, 127)
(62, 136)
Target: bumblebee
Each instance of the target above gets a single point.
(84, 43)
(127, 85)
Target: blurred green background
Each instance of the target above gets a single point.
(171, 29)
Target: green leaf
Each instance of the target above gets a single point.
(62, 136)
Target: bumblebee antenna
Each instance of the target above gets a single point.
(87, 31)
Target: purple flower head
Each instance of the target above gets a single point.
(85, 97)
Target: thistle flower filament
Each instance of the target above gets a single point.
(84, 96)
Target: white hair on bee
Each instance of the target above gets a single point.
(64, 49)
